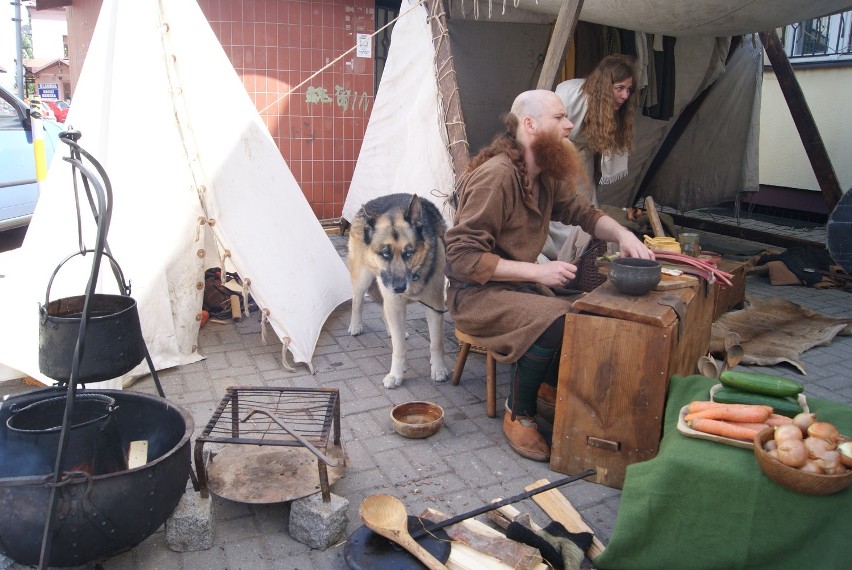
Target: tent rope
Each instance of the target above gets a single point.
(246, 292)
(264, 318)
(285, 347)
(338, 58)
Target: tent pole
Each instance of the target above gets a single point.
(804, 120)
(448, 88)
(566, 21)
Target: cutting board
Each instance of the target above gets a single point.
(668, 282)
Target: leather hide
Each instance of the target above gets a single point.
(773, 330)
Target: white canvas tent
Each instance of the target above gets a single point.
(195, 174)
(716, 160)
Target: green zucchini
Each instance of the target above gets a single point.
(786, 406)
(761, 383)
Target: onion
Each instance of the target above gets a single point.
(826, 431)
(845, 450)
(804, 421)
(770, 445)
(811, 467)
(829, 460)
(787, 431)
(792, 452)
(817, 447)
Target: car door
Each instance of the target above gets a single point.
(18, 185)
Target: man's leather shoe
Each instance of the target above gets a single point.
(546, 402)
(524, 438)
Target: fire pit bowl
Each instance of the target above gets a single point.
(417, 419)
(99, 515)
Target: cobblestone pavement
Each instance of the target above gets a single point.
(465, 465)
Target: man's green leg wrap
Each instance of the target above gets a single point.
(527, 375)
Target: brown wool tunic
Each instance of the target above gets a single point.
(492, 222)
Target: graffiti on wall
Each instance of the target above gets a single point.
(344, 98)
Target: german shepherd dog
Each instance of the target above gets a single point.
(397, 252)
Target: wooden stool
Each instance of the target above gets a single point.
(466, 344)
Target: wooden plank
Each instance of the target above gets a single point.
(566, 21)
(489, 542)
(803, 119)
(608, 302)
(508, 514)
(448, 88)
(559, 508)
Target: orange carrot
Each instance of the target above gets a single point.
(701, 405)
(778, 420)
(751, 425)
(723, 429)
(733, 413)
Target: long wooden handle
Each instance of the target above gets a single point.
(421, 553)
(656, 225)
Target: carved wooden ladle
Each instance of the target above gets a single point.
(386, 515)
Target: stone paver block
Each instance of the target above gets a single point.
(191, 526)
(318, 524)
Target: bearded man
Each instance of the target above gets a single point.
(510, 192)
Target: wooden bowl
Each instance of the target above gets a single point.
(794, 479)
(417, 419)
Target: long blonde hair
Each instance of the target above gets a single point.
(608, 131)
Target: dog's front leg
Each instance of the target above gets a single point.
(360, 284)
(435, 320)
(395, 316)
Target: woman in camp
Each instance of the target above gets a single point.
(602, 109)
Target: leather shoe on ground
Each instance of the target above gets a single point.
(524, 437)
(546, 402)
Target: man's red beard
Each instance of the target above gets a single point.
(556, 156)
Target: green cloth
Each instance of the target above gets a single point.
(700, 504)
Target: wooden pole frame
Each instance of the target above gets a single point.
(566, 21)
(448, 88)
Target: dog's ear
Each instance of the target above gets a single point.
(415, 212)
(369, 229)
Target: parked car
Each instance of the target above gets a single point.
(18, 186)
(59, 108)
(42, 108)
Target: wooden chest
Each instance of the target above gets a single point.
(728, 298)
(617, 356)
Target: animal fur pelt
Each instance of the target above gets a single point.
(773, 330)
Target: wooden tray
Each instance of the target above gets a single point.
(689, 432)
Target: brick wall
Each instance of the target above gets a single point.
(274, 46)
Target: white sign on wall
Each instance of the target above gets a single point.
(365, 46)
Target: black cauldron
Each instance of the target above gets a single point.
(94, 443)
(96, 515)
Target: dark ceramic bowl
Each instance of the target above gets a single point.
(633, 276)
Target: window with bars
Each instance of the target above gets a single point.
(822, 39)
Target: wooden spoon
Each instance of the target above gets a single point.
(708, 367)
(386, 515)
(733, 356)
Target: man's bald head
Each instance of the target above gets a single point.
(532, 103)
